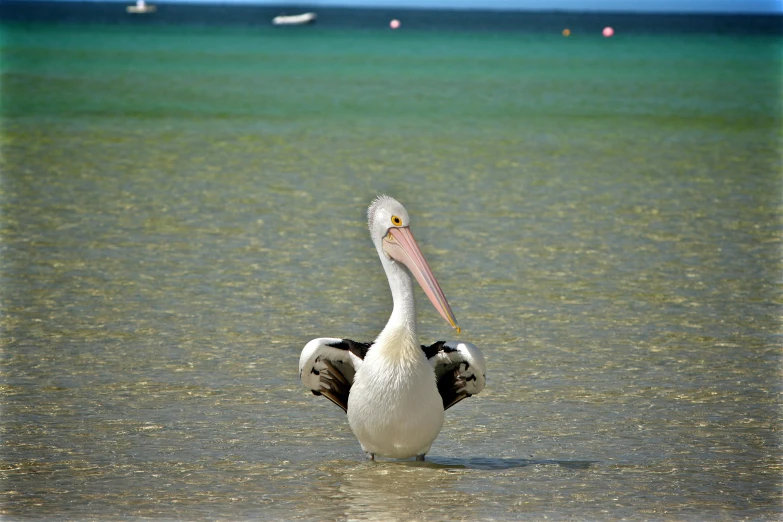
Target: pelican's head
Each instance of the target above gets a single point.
(389, 225)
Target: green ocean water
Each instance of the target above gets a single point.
(183, 209)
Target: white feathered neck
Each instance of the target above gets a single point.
(399, 335)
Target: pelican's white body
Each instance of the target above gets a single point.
(394, 408)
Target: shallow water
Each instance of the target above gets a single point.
(172, 239)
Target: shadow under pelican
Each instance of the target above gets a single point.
(489, 463)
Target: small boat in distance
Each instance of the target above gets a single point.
(300, 19)
(141, 7)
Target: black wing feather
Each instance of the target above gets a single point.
(355, 347)
(453, 370)
(334, 384)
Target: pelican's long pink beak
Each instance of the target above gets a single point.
(400, 246)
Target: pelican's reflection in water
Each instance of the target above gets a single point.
(410, 490)
(397, 491)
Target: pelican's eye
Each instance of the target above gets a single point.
(396, 221)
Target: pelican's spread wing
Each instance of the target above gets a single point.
(327, 366)
(459, 368)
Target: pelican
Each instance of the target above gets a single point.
(395, 390)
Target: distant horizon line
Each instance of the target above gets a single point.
(315, 6)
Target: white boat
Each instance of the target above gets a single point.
(299, 19)
(141, 7)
